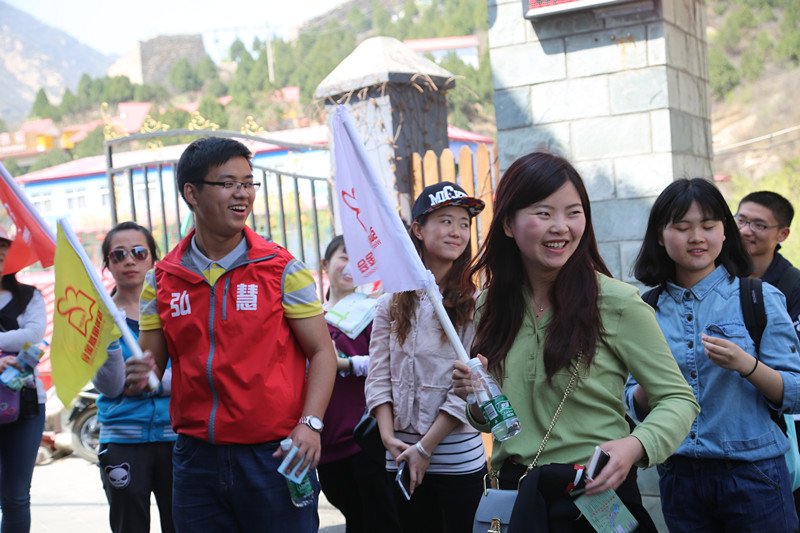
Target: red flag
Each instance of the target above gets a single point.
(34, 240)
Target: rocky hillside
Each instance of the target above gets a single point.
(763, 108)
(34, 55)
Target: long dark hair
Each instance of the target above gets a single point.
(576, 325)
(457, 297)
(654, 266)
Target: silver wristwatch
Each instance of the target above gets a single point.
(313, 422)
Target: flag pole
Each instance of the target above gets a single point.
(119, 316)
(432, 290)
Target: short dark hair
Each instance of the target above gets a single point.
(199, 156)
(654, 266)
(124, 226)
(781, 207)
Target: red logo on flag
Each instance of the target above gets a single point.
(77, 307)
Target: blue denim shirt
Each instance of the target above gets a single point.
(734, 421)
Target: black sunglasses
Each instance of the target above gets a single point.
(139, 253)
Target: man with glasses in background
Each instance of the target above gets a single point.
(764, 218)
(252, 360)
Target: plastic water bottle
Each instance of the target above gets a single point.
(28, 358)
(300, 489)
(493, 403)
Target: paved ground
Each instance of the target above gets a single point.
(67, 497)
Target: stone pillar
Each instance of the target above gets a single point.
(621, 91)
(397, 101)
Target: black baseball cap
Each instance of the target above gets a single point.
(443, 194)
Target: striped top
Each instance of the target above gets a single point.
(458, 453)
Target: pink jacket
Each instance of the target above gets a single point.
(415, 377)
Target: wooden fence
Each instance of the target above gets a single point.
(476, 173)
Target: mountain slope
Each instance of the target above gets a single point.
(34, 55)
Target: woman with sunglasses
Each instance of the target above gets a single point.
(23, 318)
(136, 436)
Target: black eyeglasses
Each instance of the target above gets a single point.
(228, 185)
(756, 227)
(140, 253)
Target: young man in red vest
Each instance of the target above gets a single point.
(252, 361)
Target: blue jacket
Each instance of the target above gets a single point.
(734, 421)
(134, 419)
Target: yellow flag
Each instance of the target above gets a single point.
(83, 325)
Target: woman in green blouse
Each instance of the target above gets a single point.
(549, 297)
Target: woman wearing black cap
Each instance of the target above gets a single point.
(23, 318)
(409, 390)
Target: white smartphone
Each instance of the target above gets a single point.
(596, 463)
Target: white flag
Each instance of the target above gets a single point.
(377, 243)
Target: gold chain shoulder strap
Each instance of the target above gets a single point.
(572, 380)
(491, 476)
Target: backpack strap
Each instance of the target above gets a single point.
(788, 280)
(751, 296)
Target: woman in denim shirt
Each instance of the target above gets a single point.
(729, 474)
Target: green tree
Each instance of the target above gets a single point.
(722, 74)
(238, 51)
(216, 88)
(767, 15)
(380, 17)
(50, 159)
(752, 63)
(183, 77)
(243, 68)
(788, 46)
(69, 103)
(42, 108)
(242, 99)
(357, 20)
(258, 78)
(91, 145)
(730, 35)
(177, 119)
(13, 167)
(85, 91)
(410, 9)
(40, 103)
(207, 70)
(3, 125)
(765, 44)
(212, 110)
(150, 93)
(117, 89)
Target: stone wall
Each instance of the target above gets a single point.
(624, 97)
(129, 65)
(151, 61)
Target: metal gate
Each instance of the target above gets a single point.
(292, 209)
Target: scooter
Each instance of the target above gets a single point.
(85, 426)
